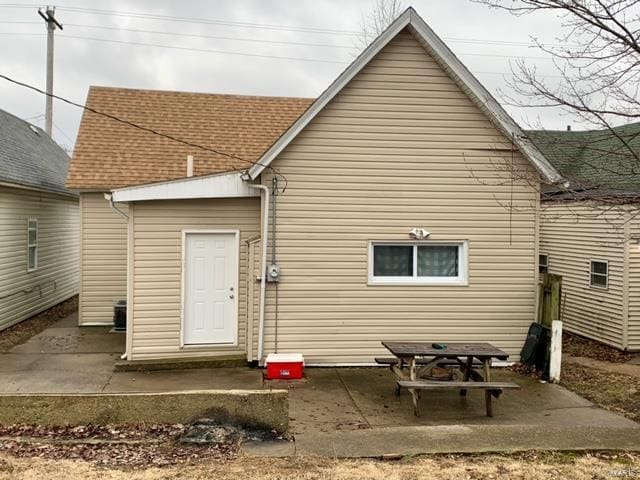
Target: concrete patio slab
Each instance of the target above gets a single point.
(333, 411)
(74, 340)
(322, 403)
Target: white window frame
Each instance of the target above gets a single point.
(463, 264)
(32, 245)
(591, 272)
(546, 265)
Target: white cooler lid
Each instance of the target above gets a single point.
(284, 358)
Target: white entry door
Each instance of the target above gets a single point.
(210, 288)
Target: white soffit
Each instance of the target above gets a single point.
(436, 47)
(226, 185)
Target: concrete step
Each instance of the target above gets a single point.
(181, 363)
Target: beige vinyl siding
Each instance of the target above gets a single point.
(400, 147)
(23, 293)
(572, 235)
(633, 335)
(253, 298)
(103, 259)
(157, 267)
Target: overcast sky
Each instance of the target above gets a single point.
(316, 38)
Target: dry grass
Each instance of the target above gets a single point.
(612, 391)
(526, 466)
(23, 331)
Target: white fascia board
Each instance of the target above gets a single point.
(227, 185)
(461, 74)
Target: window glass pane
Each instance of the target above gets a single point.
(392, 261)
(32, 237)
(438, 261)
(598, 280)
(32, 257)
(33, 224)
(543, 259)
(599, 267)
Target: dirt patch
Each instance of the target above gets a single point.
(612, 391)
(112, 446)
(577, 346)
(533, 466)
(23, 331)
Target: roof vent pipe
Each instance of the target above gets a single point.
(189, 165)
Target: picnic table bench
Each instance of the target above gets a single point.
(419, 357)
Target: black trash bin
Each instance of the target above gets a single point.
(120, 316)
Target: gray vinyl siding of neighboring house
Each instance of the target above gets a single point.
(633, 335)
(572, 235)
(103, 269)
(25, 293)
(401, 146)
(33, 169)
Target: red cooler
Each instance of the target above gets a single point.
(284, 366)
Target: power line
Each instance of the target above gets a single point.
(204, 21)
(148, 16)
(472, 41)
(203, 50)
(143, 128)
(55, 125)
(277, 57)
(226, 52)
(213, 37)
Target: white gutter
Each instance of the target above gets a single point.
(109, 198)
(263, 264)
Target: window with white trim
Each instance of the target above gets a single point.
(32, 245)
(543, 263)
(420, 263)
(599, 274)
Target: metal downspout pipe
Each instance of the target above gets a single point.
(263, 265)
(109, 198)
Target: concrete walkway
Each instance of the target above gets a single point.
(65, 358)
(628, 368)
(334, 411)
(404, 441)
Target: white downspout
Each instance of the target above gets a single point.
(109, 198)
(263, 265)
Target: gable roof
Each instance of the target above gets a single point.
(454, 67)
(110, 154)
(29, 157)
(598, 161)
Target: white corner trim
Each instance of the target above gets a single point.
(444, 55)
(226, 185)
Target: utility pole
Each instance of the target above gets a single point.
(49, 17)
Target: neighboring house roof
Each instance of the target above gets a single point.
(456, 69)
(111, 154)
(595, 162)
(29, 157)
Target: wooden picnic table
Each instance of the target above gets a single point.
(414, 358)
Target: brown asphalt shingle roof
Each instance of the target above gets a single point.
(109, 154)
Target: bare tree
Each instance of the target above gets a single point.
(598, 65)
(375, 22)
